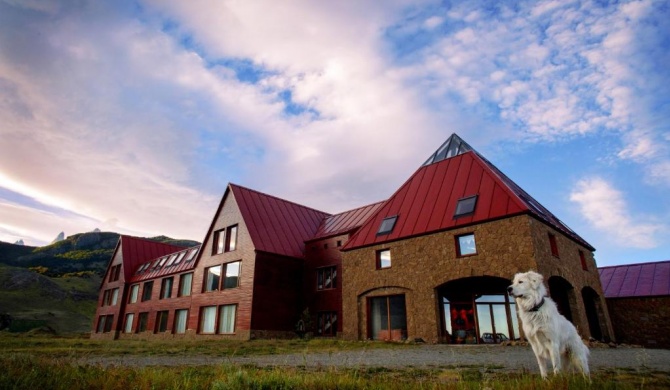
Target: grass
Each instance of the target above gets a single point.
(41, 362)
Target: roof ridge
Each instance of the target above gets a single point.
(357, 208)
(633, 264)
(280, 199)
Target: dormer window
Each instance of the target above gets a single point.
(387, 225)
(465, 206)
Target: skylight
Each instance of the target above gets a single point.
(387, 225)
(453, 146)
(465, 206)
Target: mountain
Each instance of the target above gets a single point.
(59, 237)
(19, 242)
(55, 287)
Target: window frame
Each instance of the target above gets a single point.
(148, 286)
(166, 293)
(462, 202)
(231, 238)
(321, 318)
(459, 251)
(387, 224)
(582, 259)
(378, 255)
(219, 324)
(161, 325)
(182, 277)
(134, 293)
(128, 325)
(202, 322)
(322, 273)
(209, 285)
(225, 277)
(219, 242)
(142, 322)
(553, 245)
(175, 327)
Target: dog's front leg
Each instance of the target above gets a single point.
(555, 354)
(539, 355)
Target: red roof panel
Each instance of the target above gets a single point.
(346, 221)
(183, 260)
(636, 280)
(136, 251)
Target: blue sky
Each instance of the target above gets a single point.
(133, 116)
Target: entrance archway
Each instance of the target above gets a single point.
(560, 291)
(591, 301)
(477, 310)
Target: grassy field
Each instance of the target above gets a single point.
(43, 362)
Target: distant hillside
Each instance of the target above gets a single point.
(55, 287)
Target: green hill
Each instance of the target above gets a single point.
(55, 287)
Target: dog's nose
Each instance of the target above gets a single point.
(509, 289)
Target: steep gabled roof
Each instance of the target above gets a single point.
(426, 203)
(276, 225)
(636, 280)
(346, 221)
(135, 251)
(168, 264)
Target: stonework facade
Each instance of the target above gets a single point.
(641, 320)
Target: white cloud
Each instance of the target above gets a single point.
(606, 209)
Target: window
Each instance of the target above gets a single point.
(180, 321)
(171, 260)
(146, 292)
(161, 321)
(212, 278)
(465, 245)
(105, 298)
(339, 243)
(227, 318)
(114, 273)
(108, 323)
(465, 206)
(179, 258)
(208, 319)
(134, 292)
(582, 258)
(185, 282)
(326, 278)
(387, 225)
(166, 288)
(326, 323)
(142, 321)
(105, 324)
(191, 254)
(115, 296)
(384, 259)
(128, 328)
(219, 241)
(231, 241)
(387, 318)
(553, 245)
(232, 279)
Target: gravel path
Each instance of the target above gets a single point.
(422, 356)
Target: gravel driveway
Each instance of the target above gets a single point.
(515, 358)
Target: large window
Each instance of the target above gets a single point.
(185, 282)
(134, 292)
(212, 278)
(180, 321)
(128, 328)
(161, 321)
(225, 240)
(384, 259)
(387, 318)
(142, 322)
(110, 297)
(232, 279)
(221, 324)
(166, 288)
(227, 318)
(465, 245)
(146, 292)
(326, 323)
(326, 278)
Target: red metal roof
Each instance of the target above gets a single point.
(426, 203)
(167, 264)
(136, 251)
(346, 221)
(636, 280)
(276, 225)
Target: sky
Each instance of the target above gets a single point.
(133, 116)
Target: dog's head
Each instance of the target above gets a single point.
(527, 285)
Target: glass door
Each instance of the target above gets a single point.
(387, 318)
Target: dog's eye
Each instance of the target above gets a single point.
(520, 281)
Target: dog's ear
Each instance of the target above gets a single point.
(535, 279)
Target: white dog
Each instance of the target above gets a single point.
(552, 337)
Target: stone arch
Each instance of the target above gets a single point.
(594, 312)
(562, 292)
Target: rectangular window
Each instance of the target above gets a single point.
(582, 259)
(208, 319)
(146, 292)
(232, 278)
(171, 260)
(231, 238)
(134, 292)
(114, 273)
(105, 298)
(166, 288)
(142, 322)
(387, 225)
(326, 323)
(326, 278)
(185, 282)
(101, 324)
(384, 259)
(161, 321)
(219, 241)
(227, 318)
(115, 296)
(179, 258)
(465, 206)
(105, 323)
(128, 328)
(180, 321)
(465, 245)
(191, 254)
(212, 278)
(553, 245)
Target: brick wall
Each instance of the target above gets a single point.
(641, 320)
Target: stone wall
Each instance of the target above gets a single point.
(641, 320)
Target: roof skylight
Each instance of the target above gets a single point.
(387, 225)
